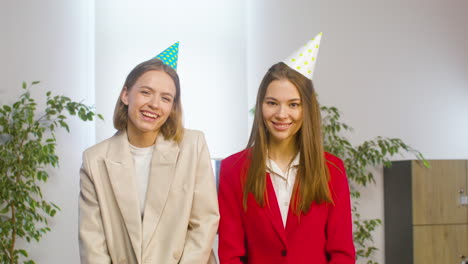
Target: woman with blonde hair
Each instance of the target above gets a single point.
(148, 193)
(283, 199)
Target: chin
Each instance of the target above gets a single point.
(280, 138)
(148, 129)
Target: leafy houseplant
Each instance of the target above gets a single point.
(27, 149)
(357, 161)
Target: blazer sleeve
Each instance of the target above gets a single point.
(231, 248)
(204, 216)
(339, 245)
(92, 242)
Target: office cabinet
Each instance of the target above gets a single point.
(425, 219)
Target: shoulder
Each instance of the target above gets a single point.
(233, 169)
(191, 134)
(335, 165)
(338, 180)
(101, 148)
(237, 158)
(236, 161)
(192, 139)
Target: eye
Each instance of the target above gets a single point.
(294, 105)
(145, 92)
(167, 99)
(271, 103)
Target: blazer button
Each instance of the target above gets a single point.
(284, 252)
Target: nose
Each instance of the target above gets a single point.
(282, 112)
(154, 102)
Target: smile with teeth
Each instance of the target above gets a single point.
(281, 126)
(150, 115)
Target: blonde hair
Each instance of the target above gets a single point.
(172, 128)
(312, 175)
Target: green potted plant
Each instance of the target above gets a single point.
(27, 150)
(358, 159)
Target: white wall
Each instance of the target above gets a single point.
(211, 61)
(394, 68)
(51, 41)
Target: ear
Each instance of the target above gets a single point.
(124, 96)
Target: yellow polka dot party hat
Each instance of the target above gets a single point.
(303, 60)
(170, 55)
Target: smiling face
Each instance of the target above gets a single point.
(282, 111)
(150, 102)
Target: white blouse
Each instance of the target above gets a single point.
(142, 160)
(283, 183)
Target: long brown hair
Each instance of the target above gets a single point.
(312, 176)
(172, 128)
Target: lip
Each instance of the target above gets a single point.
(281, 126)
(149, 118)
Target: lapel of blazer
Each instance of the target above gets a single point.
(162, 174)
(121, 169)
(273, 211)
(292, 221)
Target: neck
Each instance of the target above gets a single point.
(282, 151)
(141, 139)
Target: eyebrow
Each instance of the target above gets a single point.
(150, 88)
(272, 98)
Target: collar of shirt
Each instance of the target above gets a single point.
(273, 168)
(136, 151)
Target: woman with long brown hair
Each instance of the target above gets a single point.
(283, 199)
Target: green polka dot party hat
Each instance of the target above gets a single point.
(170, 55)
(303, 60)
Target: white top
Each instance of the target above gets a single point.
(142, 160)
(283, 183)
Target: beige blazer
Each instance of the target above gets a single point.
(181, 211)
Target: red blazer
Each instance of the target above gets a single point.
(257, 236)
